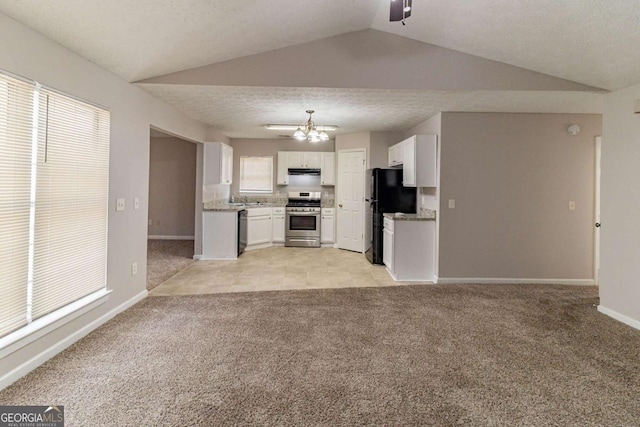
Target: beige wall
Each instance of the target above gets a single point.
(270, 147)
(512, 177)
(26, 53)
(620, 239)
(369, 59)
(172, 187)
(379, 143)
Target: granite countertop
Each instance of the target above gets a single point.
(228, 207)
(428, 215)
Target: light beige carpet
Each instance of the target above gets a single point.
(165, 258)
(478, 355)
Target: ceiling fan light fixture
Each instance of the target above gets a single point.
(324, 136)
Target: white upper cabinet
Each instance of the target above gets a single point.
(283, 168)
(296, 159)
(325, 161)
(312, 160)
(328, 169)
(304, 159)
(418, 157)
(395, 155)
(218, 163)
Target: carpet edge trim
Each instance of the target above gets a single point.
(31, 364)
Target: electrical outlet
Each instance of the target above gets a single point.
(150, 222)
(119, 205)
(136, 203)
(452, 203)
(572, 205)
(134, 268)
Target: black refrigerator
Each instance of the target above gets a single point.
(387, 196)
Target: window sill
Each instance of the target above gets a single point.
(52, 321)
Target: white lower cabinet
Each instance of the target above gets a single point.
(259, 228)
(219, 235)
(278, 225)
(387, 249)
(409, 250)
(328, 225)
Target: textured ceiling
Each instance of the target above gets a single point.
(594, 42)
(137, 39)
(588, 41)
(240, 112)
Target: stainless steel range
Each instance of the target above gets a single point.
(303, 220)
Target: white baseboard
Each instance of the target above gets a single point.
(205, 258)
(468, 280)
(31, 364)
(258, 246)
(197, 257)
(619, 317)
(159, 237)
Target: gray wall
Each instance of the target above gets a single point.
(270, 147)
(512, 176)
(172, 187)
(620, 239)
(29, 54)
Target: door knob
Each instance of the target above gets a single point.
(340, 205)
(598, 224)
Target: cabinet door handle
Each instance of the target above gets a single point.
(340, 205)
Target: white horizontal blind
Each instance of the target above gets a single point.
(256, 174)
(70, 250)
(16, 119)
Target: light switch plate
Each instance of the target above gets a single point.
(134, 268)
(119, 205)
(452, 203)
(572, 205)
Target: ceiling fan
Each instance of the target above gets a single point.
(400, 10)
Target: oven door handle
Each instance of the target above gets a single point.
(303, 213)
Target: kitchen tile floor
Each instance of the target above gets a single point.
(278, 268)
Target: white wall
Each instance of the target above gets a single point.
(620, 232)
(512, 177)
(27, 53)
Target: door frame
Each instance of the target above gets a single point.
(596, 208)
(364, 188)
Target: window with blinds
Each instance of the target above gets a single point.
(256, 174)
(54, 176)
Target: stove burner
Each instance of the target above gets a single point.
(307, 204)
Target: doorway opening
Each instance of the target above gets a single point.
(171, 215)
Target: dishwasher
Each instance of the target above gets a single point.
(242, 231)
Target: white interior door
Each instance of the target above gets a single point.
(596, 236)
(351, 205)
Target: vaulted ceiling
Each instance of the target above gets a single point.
(589, 42)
